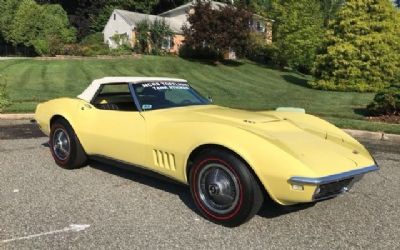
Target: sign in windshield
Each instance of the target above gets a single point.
(164, 94)
(166, 85)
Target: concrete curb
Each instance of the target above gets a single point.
(355, 133)
(373, 135)
(17, 116)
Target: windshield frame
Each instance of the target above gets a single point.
(133, 86)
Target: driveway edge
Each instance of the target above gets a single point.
(28, 116)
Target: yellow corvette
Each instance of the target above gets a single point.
(230, 158)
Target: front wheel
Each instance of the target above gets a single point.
(65, 147)
(223, 188)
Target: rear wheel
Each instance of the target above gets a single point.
(65, 147)
(223, 188)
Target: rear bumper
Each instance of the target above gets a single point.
(333, 185)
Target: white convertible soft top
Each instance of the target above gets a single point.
(91, 90)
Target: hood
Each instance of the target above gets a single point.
(321, 146)
(222, 114)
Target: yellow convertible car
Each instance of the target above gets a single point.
(230, 158)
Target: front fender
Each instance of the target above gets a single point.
(272, 165)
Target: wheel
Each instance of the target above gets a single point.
(65, 147)
(224, 189)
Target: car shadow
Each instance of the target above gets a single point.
(148, 178)
(269, 209)
(20, 131)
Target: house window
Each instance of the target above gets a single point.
(166, 43)
(260, 26)
(251, 24)
(115, 17)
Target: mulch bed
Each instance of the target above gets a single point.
(395, 119)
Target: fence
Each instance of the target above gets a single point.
(9, 50)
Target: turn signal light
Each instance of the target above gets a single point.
(297, 187)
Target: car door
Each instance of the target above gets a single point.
(111, 125)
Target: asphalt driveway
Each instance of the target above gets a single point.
(101, 207)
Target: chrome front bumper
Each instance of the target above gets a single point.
(333, 185)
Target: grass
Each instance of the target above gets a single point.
(244, 85)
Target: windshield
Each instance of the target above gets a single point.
(161, 95)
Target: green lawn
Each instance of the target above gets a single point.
(244, 85)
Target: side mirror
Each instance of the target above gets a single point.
(210, 99)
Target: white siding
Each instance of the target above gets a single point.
(117, 26)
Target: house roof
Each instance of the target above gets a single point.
(214, 5)
(91, 90)
(132, 18)
(188, 5)
(135, 17)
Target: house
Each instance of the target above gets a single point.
(123, 23)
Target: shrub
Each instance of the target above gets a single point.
(142, 37)
(91, 45)
(159, 31)
(298, 33)
(361, 51)
(121, 50)
(93, 39)
(4, 98)
(72, 50)
(185, 51)
(258, 49)
(150, 36)
(386, 102)
(41, 46)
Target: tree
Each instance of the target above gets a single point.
(92, 15)
(150, 36)
(362, 48)
(159, 31)
(165, 5)
(330, 8)
(142, 37)
(261, 7)
(7, 10)
(298, 33)
(220, 30)
(45, 27)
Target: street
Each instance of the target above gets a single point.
(43, 206)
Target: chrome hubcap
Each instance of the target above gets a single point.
(61, 144)
(218, 188)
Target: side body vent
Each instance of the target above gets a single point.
(164, 160)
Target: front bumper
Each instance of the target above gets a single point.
(333, 185)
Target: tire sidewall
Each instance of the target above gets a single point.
(72, 141)
(242, 210)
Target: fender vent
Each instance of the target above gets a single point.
(164, 160)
